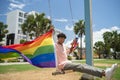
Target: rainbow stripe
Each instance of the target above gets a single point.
(41, 50)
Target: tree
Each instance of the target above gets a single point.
(99, 48)
(115, 43)
(118, 46)
(41, 24)
(107, 36)
(79, 29)
(3, 30)
(36, 25)
(27, 25)
(112, 41)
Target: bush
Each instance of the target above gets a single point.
(1, 61)
(13, 60)
(69, 57)
(22, 41)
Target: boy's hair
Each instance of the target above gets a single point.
(61, 35)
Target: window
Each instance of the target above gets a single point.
(20, 14)
(24, 37)
(19, 31)
(25, 15)
(19, 25)
(24, 20)
(20, 20)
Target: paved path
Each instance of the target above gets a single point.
(12, 63)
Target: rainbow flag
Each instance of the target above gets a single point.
(41, 50)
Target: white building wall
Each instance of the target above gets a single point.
(14, 21)
(11, 21)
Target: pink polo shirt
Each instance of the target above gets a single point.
(61, 56)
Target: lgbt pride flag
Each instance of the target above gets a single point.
(41, 50)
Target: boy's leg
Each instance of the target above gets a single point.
(91, 70)
(84, 68)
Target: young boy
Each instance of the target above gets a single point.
(64, 64)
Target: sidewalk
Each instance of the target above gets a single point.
(13, 63)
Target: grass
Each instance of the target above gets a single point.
(106, 61)
(116, 76)
(25, 67)
(16, 68)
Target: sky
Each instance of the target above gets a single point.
(105, 14)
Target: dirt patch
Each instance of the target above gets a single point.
(106, 65)
(44, 74)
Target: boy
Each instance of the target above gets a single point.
(64, 64)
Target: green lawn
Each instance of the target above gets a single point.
(16, 68)
(24, 67)
(106, 61)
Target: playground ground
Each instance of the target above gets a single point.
(28, 72)
(44, 74)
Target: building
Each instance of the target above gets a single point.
(14, 20)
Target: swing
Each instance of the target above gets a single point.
(61, 72)
(73, 47)
(73, 44)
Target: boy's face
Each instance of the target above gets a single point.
(61, 40)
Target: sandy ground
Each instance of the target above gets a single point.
(44, 74)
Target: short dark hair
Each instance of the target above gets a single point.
(61, 35)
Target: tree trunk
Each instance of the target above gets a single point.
(27, 35)
(99, 55)
(81, 47)
(114, 55)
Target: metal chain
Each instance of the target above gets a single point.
(50, 12)
(71, 12)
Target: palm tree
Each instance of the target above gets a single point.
(79, 29)
(3, 31)
(27, 25)
(112, 40)
(36, 25)
(41, 24)
(99, 48)
(115, 43)
(107, 36)
(118, 46)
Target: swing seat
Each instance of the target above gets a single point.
(58, 72)
(62, 72)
